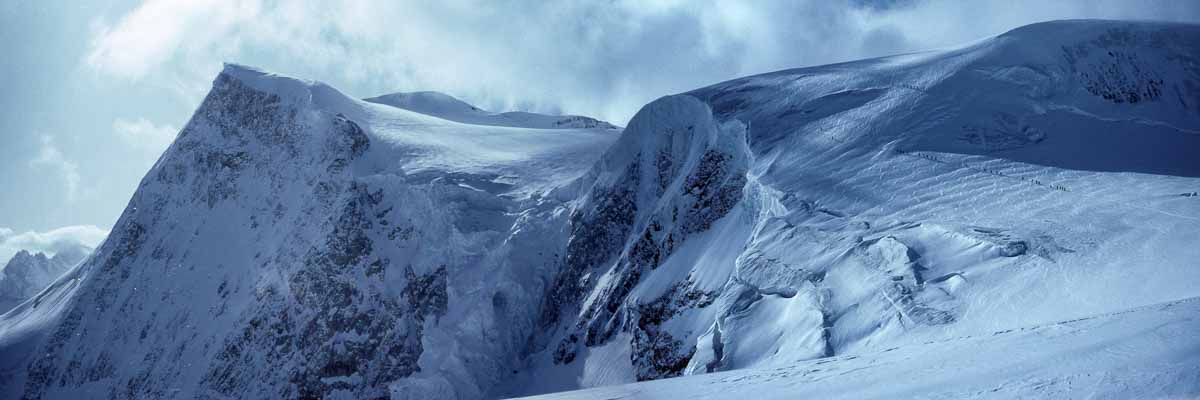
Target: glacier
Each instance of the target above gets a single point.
(940, 223)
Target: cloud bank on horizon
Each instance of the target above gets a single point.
(603, 59)
(49, 242)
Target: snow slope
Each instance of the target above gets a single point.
(1041, 175)
(1130, 354)
(444, 106)
(296, 243)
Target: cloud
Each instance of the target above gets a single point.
(603, 58)
(153, 32)
(145, 136)
(49, 242)
(50, 157)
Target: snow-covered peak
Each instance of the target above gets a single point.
(38, 268)
(302, 92)
(448, 107)
(428, 102)
(1063, 31)
(24, 260)
(264, 81)
(28, 273)
(360, 230)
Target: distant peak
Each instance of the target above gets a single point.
(428, 95)
(23, 255)
(24, 260)
(450, 108)
(427, 102)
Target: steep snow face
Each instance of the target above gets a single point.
(444, 106)
(294, 242)
(891, 201)
(26, 274)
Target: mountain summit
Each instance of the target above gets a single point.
(294, 242)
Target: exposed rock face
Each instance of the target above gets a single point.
(1109, 66)
(673, 174)
(353, 335)
(656, 353)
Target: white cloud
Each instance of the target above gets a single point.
(153, 32)
(50, 157)
(49, 242)
(603, 58)
(145, 136)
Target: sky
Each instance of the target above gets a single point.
(91, 92)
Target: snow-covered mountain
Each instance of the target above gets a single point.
(1038, 176)
(444, 106)
(297, 243)
(27, 273)
(294, 242)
